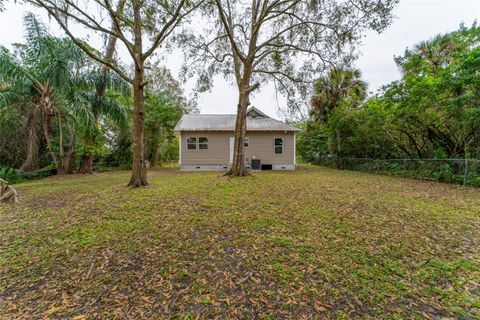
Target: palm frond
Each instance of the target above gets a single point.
(79, 105)
(11, 69)
(8, 98)
(35, 34)
(112, 109)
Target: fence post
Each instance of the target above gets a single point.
(465, 175)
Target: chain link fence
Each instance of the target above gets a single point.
(14, 175)
(461, 171)
(112, 165)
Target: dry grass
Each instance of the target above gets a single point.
(315, 243)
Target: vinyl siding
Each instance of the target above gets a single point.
(262, 146)
(218, 153)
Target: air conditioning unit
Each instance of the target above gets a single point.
(256, 164)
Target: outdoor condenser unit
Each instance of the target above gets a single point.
(256, 164)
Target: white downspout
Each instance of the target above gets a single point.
(294, 149)
(180, 150)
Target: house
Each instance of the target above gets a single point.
(207, 140)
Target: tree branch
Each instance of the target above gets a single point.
(85, 48)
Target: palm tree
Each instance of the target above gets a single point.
(19, 95)
(99, 90)
(41, 72)
(428, 56)
(339, 85)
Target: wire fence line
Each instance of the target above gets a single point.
(15, 175)
(460, 171)
(127, 165)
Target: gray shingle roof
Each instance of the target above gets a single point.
(226, 122)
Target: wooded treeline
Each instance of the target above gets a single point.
(60, 109)
(432, 112)
(65, 104)
(250, 43)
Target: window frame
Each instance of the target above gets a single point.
(197, 143)
(246, 142)
(202, 143)
(275, 146)
(191, 143)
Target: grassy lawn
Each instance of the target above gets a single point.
(315, 243)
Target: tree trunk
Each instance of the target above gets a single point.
(155, 154)
(86, 163)
(68, 159)
(61, 149)
(154, 141)
(339, 141)
(139, 170)
(238, 167)
(47, 127)
(331, 149)
(32, 143)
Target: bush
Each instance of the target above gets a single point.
(474, 181)
(10, 174)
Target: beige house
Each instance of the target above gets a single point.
(206, 142)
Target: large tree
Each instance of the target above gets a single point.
(40, 75)
(165, 104)
(431, 112)
(339, 86)
(141, 26)
(101, 82)
(288, 42)
(99, 89)
(435, 104)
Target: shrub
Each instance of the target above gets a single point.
(10, 174)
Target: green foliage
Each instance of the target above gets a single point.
(10, 174)
(38, 77)
(359, 132)
(164, 106)
(435, 109)
(432, 112)
(312, 142)
(162, 116)
(444, 173)
(339, 87)
(12, 138)
(97, 150)
(47, 84)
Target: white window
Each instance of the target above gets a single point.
(278, 145)
(202, 143)
(192, 143)
(246, 142)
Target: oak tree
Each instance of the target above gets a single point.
(142, 26)
(287, 42)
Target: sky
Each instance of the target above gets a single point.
(416, 20)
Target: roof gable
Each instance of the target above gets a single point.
(254, 112)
